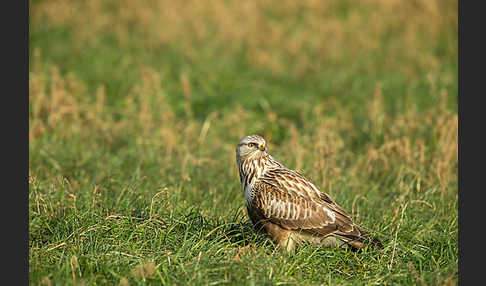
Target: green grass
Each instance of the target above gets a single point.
(132, 172)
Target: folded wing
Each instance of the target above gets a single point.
(288, 199)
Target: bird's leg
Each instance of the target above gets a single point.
(287, 244)
(281, 237)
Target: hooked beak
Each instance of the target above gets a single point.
(262, 147)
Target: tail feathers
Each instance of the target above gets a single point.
(358, 242)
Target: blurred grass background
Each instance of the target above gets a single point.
(136, 107)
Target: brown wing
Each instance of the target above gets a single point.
(288, 199)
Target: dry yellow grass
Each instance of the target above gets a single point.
(305, 35)
(59, 104)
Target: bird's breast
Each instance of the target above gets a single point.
(249, 193)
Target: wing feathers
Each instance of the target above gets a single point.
(286, 198)
(289, 209)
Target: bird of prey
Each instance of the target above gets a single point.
(285, 205)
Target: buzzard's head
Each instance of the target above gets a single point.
(250, 146)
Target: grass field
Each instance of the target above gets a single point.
(136, 108)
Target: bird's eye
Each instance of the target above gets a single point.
(251, 145)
